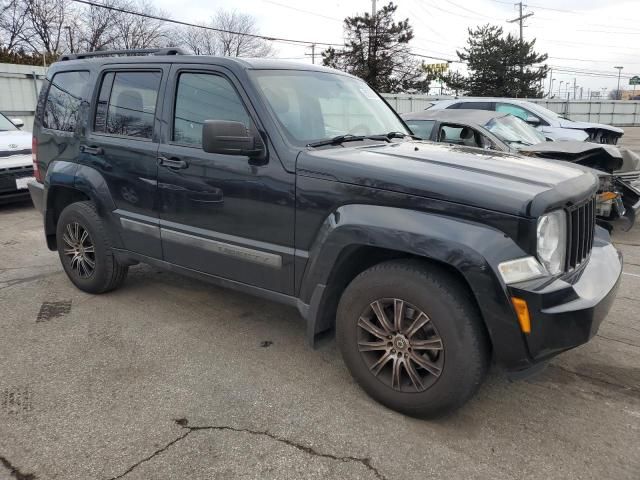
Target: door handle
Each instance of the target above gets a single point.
(173, 163)
(91, 150)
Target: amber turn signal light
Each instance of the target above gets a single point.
(522, 311)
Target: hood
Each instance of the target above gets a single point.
(607, 158)
(495, 181)
(564, 123)
(15, 149)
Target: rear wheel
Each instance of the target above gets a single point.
(412, 338)
(85, 250)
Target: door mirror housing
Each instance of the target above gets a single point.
(18, 122)
(532, 120)
(229, 138)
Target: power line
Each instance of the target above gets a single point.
(304, 11)
(187, 24)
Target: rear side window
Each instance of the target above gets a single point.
(200, 97)
(127, 103)
(65, 97)
(475, 106)
(421, 128)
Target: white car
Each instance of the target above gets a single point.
(552, 125)
(16, 164)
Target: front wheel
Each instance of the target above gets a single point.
(85, 250)
(412, 338)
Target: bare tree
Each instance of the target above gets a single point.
(96, 27)
(12, 24)
(134, 31)
(242, 44)
(46, 20)
(200, 40)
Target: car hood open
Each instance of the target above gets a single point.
(495, 181)
(603, 157)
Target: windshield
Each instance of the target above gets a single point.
(313, 106)
(514, 131)
(545, 111)
(5, 124)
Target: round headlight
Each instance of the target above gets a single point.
(552, 241)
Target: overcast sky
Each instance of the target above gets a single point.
(586, 35)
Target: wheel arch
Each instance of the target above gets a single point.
(357, 237)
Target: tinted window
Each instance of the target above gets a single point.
(201, 97)
(62, 107)
(421, 128)
(513, 110)
(476, 106)
(127, 103)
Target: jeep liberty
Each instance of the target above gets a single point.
(299, 184)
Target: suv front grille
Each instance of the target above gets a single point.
(582, 222)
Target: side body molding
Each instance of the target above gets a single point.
(468, 247)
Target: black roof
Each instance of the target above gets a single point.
(464, 116)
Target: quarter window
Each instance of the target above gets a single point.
(127, 103)
(200, 97)
(64, 100)
(421, 128)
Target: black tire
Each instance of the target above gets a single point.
(106, 274)
(453, 372)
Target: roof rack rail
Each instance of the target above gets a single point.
(125, 53)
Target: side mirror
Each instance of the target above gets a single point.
(18, 122)
(532, 119)
(228, 138)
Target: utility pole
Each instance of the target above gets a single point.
(373, 8)
(520, 19)
(550, 82)
(618, 93)
(574, 88)
(68, 29)
(313, 53)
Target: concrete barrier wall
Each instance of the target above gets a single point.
(612, 112)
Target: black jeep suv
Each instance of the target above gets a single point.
(301, 185)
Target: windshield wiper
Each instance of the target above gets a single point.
(386, 137)
(337, 140)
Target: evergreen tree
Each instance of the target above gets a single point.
(499, 66)
(377, 50)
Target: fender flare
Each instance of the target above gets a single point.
(472, 249)
(89, 182)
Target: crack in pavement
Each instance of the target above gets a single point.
(183, 422)
(596, 380)
(15, 472)
(619, 341)
(19, 281)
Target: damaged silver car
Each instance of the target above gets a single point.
(619, 195)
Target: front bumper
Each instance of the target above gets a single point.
(9, 190)
(567, 312)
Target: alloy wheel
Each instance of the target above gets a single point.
(80, 249)
(400, 345)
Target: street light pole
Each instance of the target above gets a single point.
(618, 94)
(68, 29)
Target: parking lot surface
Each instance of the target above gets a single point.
(172, 378)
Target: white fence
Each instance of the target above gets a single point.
(19, 87)
(612, 112)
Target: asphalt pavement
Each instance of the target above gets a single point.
(170, 378)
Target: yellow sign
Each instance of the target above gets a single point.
(436, 67)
